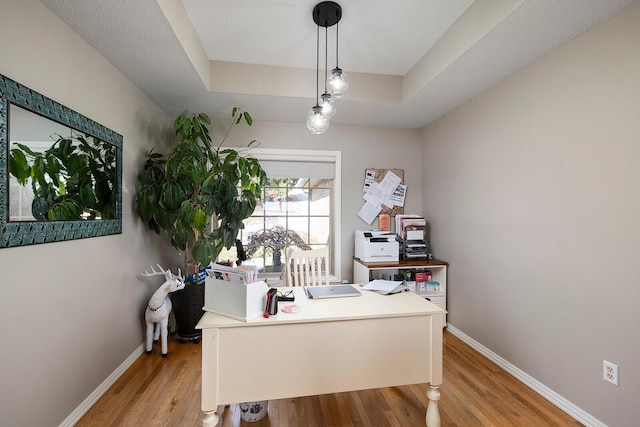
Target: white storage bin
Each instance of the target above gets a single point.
(235, 300)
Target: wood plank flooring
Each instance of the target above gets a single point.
(475, 392)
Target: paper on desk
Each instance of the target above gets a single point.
(381, 285)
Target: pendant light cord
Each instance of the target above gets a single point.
(317, 64)
(337, 27)
(325, 58)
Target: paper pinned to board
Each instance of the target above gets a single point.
(375, 196)
(397, 197)
(390, 182)
(369, 212)
(389, 192)
(369, 178)
(383, 190)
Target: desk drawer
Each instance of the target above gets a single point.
(437, 300)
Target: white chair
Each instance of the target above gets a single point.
(308, 268)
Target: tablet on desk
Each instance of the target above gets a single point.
(331, 291)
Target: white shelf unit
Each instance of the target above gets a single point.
(364, 272)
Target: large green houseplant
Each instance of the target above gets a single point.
(199, 194)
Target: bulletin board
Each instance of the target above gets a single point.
(378, 175)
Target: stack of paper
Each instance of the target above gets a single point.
(406, 223)
(243, 274)
(386, 287)
(252, 270)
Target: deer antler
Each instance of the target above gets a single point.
(167, 274)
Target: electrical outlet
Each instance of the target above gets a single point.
(610, 372)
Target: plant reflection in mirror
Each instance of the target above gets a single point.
(73, 179)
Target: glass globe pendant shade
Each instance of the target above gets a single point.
(337, 83)
(328, 107)
(316, 122)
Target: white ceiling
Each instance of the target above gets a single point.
(409, 62)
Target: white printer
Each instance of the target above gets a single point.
(376, 246)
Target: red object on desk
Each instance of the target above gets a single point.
(266, 308)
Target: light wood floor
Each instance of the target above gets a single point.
(475, 392)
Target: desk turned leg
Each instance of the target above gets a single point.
(211, 419)
(433, 414)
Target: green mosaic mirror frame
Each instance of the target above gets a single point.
(21, 233)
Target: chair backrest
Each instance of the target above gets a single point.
(308, 268)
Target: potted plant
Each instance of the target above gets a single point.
(198, 196)
(274, 240)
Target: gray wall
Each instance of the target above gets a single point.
(72, 312)
(532, 189)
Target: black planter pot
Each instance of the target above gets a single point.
(187, 308)
(277, 260)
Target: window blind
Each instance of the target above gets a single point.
(298, 169)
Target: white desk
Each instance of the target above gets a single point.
(381, 341)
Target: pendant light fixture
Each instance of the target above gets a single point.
(326, 14)
(328, 107)
(317, 123)
(337, 83)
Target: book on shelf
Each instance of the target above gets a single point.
(422, 275)
(429, 287)
(411, 227)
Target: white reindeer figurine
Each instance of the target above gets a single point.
(159, 307)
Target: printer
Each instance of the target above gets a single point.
(376, 246)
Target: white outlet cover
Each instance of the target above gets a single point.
(610, 372)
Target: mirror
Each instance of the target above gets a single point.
(60, 172)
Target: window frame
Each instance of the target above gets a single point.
(324, 156)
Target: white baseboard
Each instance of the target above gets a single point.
(82, 409)
(553, 397)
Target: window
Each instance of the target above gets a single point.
(21, 196)
(20, 199)
(300, 208)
